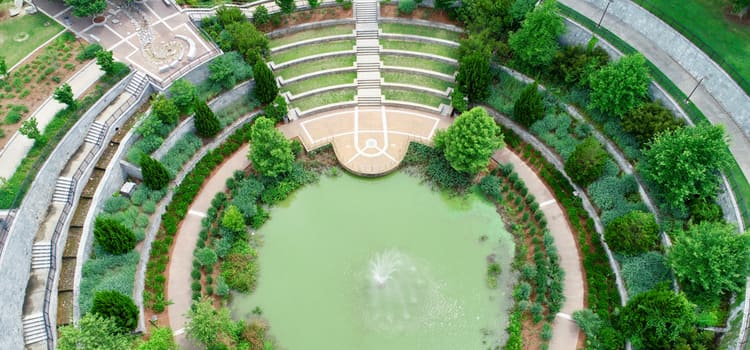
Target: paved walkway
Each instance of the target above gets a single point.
(19, 145)
(624, 19)
(181, 264)
(564, 331)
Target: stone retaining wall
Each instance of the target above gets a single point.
(421, 22)
(418, 39)
(428, 56)
(307, 26)
(315, 41)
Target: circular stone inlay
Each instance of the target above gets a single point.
(371, 143)
(164, 52)
(22, 36)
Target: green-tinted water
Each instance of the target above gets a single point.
(323, 246)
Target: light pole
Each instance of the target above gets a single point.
(599, 24)
(687, 99)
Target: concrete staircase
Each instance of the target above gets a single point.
(368, 53)
(63, 189)
(41, 253)
(96, 133)
(33, 329)
(137, 84)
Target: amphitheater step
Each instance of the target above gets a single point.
(41, 255)
(34, 329)
(96, 133)
(63, 189)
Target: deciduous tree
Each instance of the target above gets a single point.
(657, 319)
(710, 259)
(105, 61)
(685, 162)
(286, 6)
(261, 16)
(30, 129)
(165, 109)
(93, 332)
(183, 93)
(620, 86)
(86, 8)
(208, 325)
(535, 43)
(64, 95)
(161, 339)
(470, 141)
(270, 152)
(277, 109)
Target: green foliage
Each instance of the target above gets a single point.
(529, 107)
(614, 195)
(270, 153)
(286, 6)
(161, 339)
(644, 272)
(64, 95)
(648, 120)
(684, 163)
(494, 17)
(86, 8)
(105, 60)
(704, 210)
(112, 236)
(573, 65)
(183, 94)
(119, 307)
(107, 272)
(277, 109)
(490, 186)
(233, 220)
(657, 319)
(30, 129)
(155, 175)
(92, 332)
(89, 52)
(3, 67)
(181, 152)
(599, 333)
(261, 16)
(240, 269)
(228, 69)
(207, 325)
(515, 338)
(535, 44)
(206, 123)
(634, 233)
(554, 130)
(206, 256)
(620, 86)
(406, 7)
(710, 259)
(165, 109)
(265, 89)
(115, 204)
(470, 141)
(474, 75)
(586, 164)
(458, 101)
(244, 196)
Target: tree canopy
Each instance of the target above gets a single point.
(86, 8)
(648, 120)
(30, 129)
(529, 106)
(711, 258)
(205, 121)
(620, 86)
(265, 89)
(207, 325)
(633, 233)
(161, 339)
(657, 319)
(586, 164)
(165, 109)
(270, 152)
(685, 162)
(113, 236)
(118, 307)
(93, 332)
(105, 61)
(184, 94)
(474, 77)
(64, 94)
(470, 141)
(535, 43)
(155, 175)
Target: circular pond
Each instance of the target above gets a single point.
(387, 263)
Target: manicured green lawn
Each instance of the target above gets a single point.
(416, 79)
(325, 98)
(415, 97)
(434, 49)
(397, 28)
(703, 22)
(315, 66)
(310, 34)
(320, 82)
(309, 50)
(416, 62)
(34, 26)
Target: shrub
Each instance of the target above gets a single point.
(586, 164)
(155, 175)
(657, 319)
(648, 120)
(183, 93)
(277, 109)
(115, 204)
(490, 186)
(112, 236)
(529, 107)
(165, 109)
(406, 7)
(634, 233)
(119, 307)
(239, 269)
(620, 86)
(474, 75)
(546, 334)
(89, 52)
(206, 256)
(704, 210)
(644, 272)
(458, 101)
(260, 16)
(206, 123)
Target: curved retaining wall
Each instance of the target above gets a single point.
(307, 26)
(428, 56)
(418, 39)
(315, 41)
(15, 261)
(421, 22)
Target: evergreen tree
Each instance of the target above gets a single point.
(277, 109)
(155, 175)
(265, 84)
(206, 123)
(474, 75)
(113, 236)
(529, 107)
(117, 306)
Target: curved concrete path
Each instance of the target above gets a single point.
(564, 330)
(181, 263)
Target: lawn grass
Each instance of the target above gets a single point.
(435, 49)
(397, 28)
(416, 62)
(310, 34)
(325, 98)
(416, 79)
(34, 26)
(703, 23)
(315, 66)
(309, 50)
(415, 97)
(320, 82)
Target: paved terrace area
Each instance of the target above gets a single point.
(150, 36)
(368, 141)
